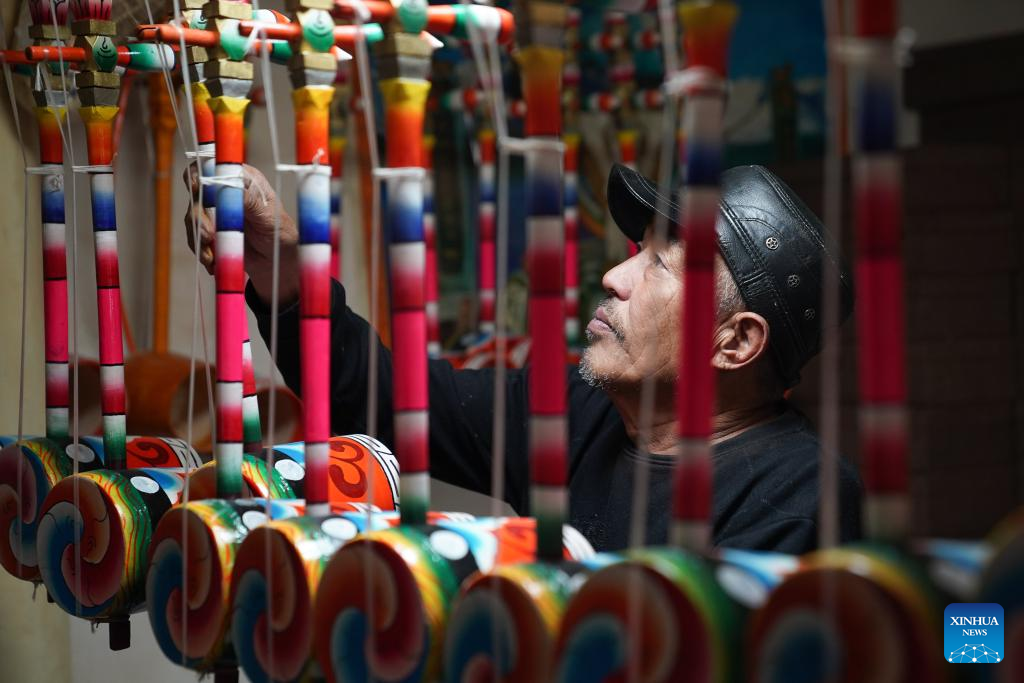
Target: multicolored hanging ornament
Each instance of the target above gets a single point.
(541, 58)
(627, 618)
(98, 87)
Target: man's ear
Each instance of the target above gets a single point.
(739, 341)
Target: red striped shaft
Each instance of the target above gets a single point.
(487, 263)
(706, 28)
(877, 176)
(55, 272)
(229, 274)
(571, 216)
(99, 127)
(405, 102)
(627, 155)
(312, 141)
(545, 262)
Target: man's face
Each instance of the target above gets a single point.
(634, 333)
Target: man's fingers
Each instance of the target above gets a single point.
(259, 196)
(197, 219)
(191, 178)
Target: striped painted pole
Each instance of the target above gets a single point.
(228, 81)
(98, 89)
(430, 239)
(541, 59)
(486, 276)
(313, 74)
(55, 271)
(706, 31)
(881, 351)
(571, 216)
(51, 112)
(312, 103)
(570, 213)
(403, 65)
(622, 73)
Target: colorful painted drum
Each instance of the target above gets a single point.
(859, 613)
(187, 585)
(505, 623)
(94, 536)
(660, 614)
(360, 469)
(299, 550)
(383, 607)
(28, 472)
(259, 481)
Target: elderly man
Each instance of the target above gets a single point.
(765, 453)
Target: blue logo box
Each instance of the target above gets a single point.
(973, 633)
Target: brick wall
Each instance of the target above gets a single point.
(964, 255)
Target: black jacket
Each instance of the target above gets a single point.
(766, 486)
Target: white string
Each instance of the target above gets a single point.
(197, 308)
(490, 77)
(859, 51)
(488, 65)
(693, 78)
(24, 275)
(372, 380)
(198, 319)
(666, 159)
(268, 88)
(45, 169)
(370, 124)
(90, 169)
(648, 388)
(397, 173)
(526, 145)
(67, 141)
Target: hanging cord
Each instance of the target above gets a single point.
(268, 89)
(648, 389)
(362, 14)
(198, 314)
(192, 152)
(666, 158)
(487, 60)
(24, 270)
(67, 140)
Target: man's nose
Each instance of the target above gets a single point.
(618, 281)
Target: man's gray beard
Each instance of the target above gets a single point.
(587, 371)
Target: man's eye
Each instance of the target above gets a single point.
(658, 261)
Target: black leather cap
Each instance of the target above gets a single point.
(772, 243)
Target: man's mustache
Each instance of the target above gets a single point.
(613, 319)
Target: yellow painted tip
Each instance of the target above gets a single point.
(698, 15)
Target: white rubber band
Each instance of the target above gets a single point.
(93, 168)
(526, 145)
(412, 172)
(45, 169)
(691, 78)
